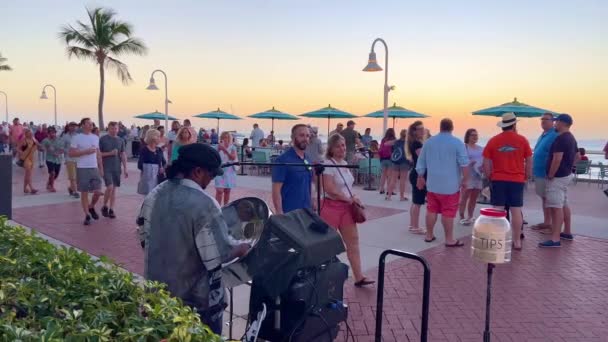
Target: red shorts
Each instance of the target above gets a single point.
(337, 214)
(446, 205)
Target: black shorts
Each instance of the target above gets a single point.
(509, 194)
(53, 168)
(418, 196)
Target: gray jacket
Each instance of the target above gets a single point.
(186, 244)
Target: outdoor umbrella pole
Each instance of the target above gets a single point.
(242, 160)
(369, 186)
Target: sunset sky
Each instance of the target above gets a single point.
(447, 58)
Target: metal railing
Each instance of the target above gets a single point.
(426, 292)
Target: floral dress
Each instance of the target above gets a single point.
(228, 179)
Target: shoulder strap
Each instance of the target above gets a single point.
(343, 179)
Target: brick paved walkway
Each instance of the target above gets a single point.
(117, 238)
(542, 295)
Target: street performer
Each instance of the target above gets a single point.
(185, 235)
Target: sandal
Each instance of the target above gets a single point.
(516, 248)
(431, 240)
(458, 243)
(364, 282)
(404, 199)
(417, 230)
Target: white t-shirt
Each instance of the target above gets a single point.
(83, 141)
(338, 181)
(256, 135)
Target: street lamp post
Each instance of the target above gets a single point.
(153, 86)
(372, 65)
(44, 97)
(5, 104)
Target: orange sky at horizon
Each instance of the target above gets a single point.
(441, 73)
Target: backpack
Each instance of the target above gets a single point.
(398, 155)
(385, 151)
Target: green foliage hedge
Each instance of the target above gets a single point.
(50, 293)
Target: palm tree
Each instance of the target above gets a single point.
(4, 67)
(103, 40)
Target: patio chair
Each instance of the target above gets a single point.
(602, 174)
(581, 168)
(260, 157)
(364, 169)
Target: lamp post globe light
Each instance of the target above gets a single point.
(152, 86)
(44, 97)
(372, 65)
(5, 104)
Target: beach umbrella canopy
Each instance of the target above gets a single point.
(218, 115)
(519, 108)
(274, 114)
(396, 112)
(328, 112)
(154, 116)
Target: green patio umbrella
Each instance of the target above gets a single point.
(273, 114)
(329, 112)
(396, 112)
(154, 116)
(219, 115)
(520, 109)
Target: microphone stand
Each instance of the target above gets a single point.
(319, 168)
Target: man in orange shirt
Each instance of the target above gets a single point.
(508, 161)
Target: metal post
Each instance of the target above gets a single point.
(5, 104)
(43, 96)
(369, 186)
(386, 87)
(231, 313)
(153, 87)
(242, 160)
(486, 333)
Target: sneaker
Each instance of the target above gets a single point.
(549, 244)
(104, 211)
(87, 220)
(111, 214)
(76, 195)
(93, 214)
(565, 236)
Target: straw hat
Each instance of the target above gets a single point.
(508, 119)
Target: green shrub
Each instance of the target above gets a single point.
(50, 293)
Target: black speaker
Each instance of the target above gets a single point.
(310, 309)
(302, 281)
(308, 234)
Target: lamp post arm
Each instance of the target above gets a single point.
(386, 87)
(166, 97)
(54, 98)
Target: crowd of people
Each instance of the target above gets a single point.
(445, 174)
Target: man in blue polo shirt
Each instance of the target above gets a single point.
(291, 185)
(539, 165)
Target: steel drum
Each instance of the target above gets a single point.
(245, 220)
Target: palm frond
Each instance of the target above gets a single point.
(121, 69)
(4, 67)
(129, 46)
(81, 53)
(74, 36)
